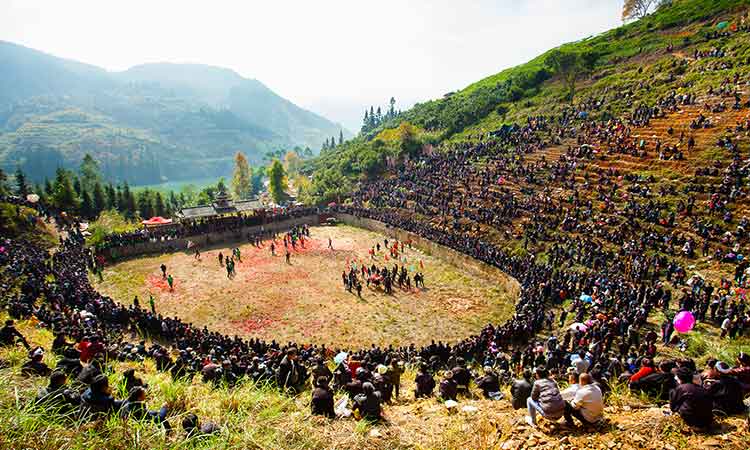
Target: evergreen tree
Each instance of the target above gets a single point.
(277, 181)
(173, 203)
(159, 207)
(64, 197)
(221, 186)
(76, 184)
(87, 205)
(49, 191)
(242, 177)
(4, 189)
(392, 108)
(145, 204)
(119, 202)
(341, 137)
(99, 200)
(111, 197)
(128, 204)
(22, 187)
(90, 173)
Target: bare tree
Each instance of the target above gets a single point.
(638, 9)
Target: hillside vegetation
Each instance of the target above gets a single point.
(624, 68)
(145, 125)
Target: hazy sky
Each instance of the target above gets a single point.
(331, 56)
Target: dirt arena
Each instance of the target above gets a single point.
(306, 302)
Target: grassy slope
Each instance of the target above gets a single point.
(16, 222)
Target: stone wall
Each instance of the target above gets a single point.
(203, 240)
(449, 255)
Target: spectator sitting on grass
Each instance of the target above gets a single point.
(545, 398)
(587, 405)
(691, 401)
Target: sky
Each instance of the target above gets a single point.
(334, 57)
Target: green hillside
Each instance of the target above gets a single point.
(152, 123)
(632, 59)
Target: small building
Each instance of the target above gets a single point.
(222, 205)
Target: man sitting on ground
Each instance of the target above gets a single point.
(545, 398)
(691, 401)
(520, 390)
(587, 405)
(368, 403)
(9, 335)
(424, 381)
(135, 407)
(35, 366)
(489, 383)
(322, 398)
(448, 388)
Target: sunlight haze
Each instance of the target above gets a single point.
(332, 57)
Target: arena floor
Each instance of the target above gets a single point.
(305, 301)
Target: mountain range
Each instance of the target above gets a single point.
(150, 123)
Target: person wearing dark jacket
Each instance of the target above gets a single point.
(59, 344)
(90, 371)
(9, 335)
(448, 388)
(368, 403)
(135, 407)
(70, 363)
(658, 383)
(489, 382)
(321, 370)
(193, 427)
(726, 392)
(424, 381)
(691, 401)
(56, 393)
(97, 399)
(520, 390)
(35, 366)
(461, 376)
(322, 399)
(290, 375)
(132, 381)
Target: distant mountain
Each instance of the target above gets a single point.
(149, 123)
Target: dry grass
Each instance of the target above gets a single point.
(305, 301)
(258, 417)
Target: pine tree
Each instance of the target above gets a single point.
(22, 187)
(89, 171)
(242, 177)
(87, 205)
(392, 108)
(145, 204)
(159, 207)
(277, 181)
(119, 202)
(111, 197)
(64, 197)
(341, 137)
(49, 191)
(128, 203)
(4, 189)
(173, 204)
(99, 200)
